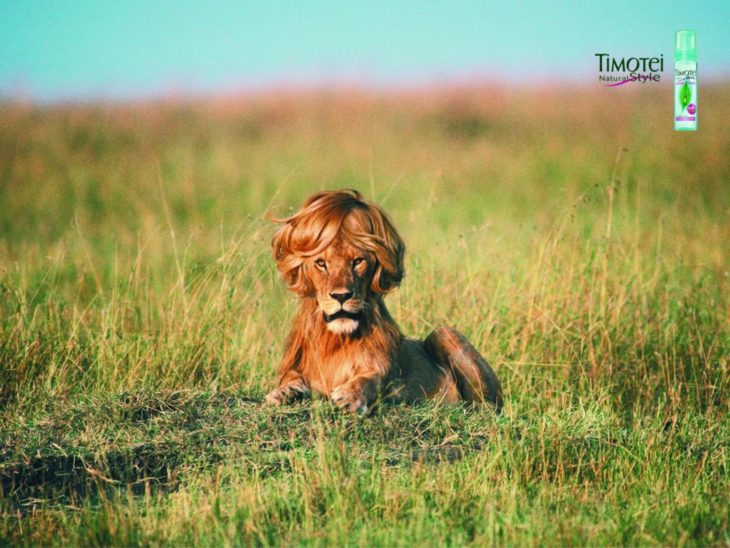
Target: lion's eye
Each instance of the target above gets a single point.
(357, 261)
(321, 263)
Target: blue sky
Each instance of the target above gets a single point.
(58, 50)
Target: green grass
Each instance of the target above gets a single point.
(583, 250)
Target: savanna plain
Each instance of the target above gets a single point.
(579, 243)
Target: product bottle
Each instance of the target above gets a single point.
(685, 81)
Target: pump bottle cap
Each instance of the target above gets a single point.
(685, 46)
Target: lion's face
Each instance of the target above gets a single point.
(341, 250)
(341, 276)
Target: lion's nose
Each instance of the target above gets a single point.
(341, 296)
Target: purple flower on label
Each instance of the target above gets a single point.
(691, 108)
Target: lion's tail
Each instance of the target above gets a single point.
(475, 379)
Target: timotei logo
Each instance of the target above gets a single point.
(687, 74)
(613, 71)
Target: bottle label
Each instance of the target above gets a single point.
(685, 94)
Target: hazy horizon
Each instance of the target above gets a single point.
(67, 51)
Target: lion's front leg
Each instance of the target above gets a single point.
(292, 386)
(356, 395)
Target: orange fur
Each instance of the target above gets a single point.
(341, 255)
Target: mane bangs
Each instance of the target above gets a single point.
(321, 221)
(328, 216)
(359, 229)
(313, 234)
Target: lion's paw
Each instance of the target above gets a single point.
(351, 400)
(287, 393)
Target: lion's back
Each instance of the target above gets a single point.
(415, 376)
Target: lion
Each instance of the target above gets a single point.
(341, 255)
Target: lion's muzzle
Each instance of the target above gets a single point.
(343, 322)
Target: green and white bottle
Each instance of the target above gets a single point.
(685, 81)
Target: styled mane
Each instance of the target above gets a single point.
(326, 216)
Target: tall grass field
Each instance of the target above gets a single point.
(577, 241)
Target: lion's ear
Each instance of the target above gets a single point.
(289, 264)
(390, 270)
